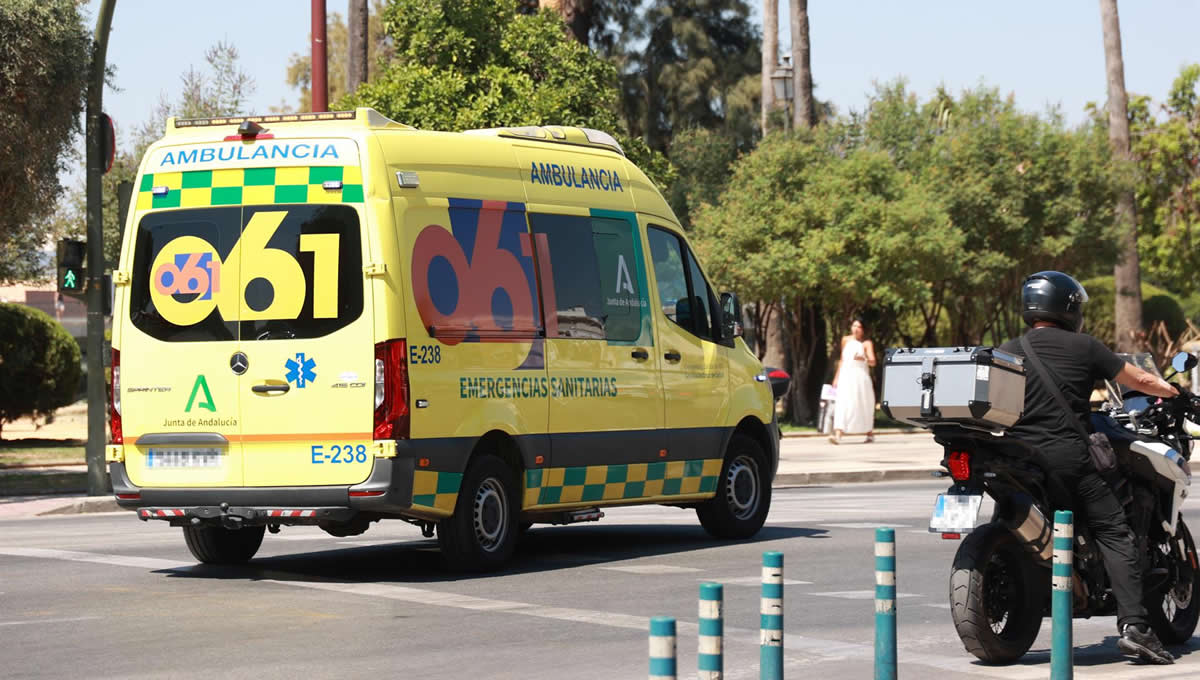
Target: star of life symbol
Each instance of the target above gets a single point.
(300, 370)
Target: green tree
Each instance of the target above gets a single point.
(923, 217)
(1027, 193)
(806, 220)
(478, 63)
(702, 159)
(1166, 148)
(39, 364)
(44, 54)
(687, 64)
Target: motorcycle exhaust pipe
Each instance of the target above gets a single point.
(1030, 527)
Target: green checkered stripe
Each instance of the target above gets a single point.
(436, 490)
(631, 481)
(250, 186)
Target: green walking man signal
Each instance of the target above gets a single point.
(72, 275)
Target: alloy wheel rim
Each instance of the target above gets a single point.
(490, 515)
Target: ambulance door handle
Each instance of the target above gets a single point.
(271, 387)
(672, 356)
(640, 354)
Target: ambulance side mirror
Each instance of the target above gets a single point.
(731, 317)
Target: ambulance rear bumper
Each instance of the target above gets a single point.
(387, 491)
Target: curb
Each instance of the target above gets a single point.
(878, 433)
(84, 506)
(849, 476)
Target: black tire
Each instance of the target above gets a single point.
(997, 595)
(218, 545)
(1174, 612)
(743, 492)
(482, 532)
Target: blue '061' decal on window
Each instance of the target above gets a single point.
(339, 454)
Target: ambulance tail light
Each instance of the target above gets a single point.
(391, 390)
(114, 400)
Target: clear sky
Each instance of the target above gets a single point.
(1045, 51)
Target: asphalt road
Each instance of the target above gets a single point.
(108, 596)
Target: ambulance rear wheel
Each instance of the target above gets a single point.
(743, 492)
(482, 533)
(218, 545)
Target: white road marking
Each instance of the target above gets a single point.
(96, 558)
(653, 569)
(858, 594)
(756, 581)
(937, 605)
(37, 621)
(865, 525)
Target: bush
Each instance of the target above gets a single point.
(1157, 305)
(39, 364)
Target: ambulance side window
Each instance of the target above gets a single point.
(622, 281)
(578, 299)
(684, 296)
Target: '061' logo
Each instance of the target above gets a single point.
(476, 281)
(190, 273)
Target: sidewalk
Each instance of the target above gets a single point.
(803, 459)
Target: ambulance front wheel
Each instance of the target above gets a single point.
(743, 492)
(482, 533)
(218, 545)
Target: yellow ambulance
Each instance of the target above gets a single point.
(333, 318)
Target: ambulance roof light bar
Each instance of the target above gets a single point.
(278, 118)
(555, 133)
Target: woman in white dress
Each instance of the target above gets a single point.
(854, 409)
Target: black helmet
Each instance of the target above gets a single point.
(1053, 297)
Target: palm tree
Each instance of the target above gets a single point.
(357, 62)
(1127, 312)
(770, 55)
(804, 115)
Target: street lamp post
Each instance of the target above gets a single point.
(781, 80)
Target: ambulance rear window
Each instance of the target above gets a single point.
(262, 272)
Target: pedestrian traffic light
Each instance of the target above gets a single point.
(72, 277)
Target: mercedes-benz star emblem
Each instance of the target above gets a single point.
(239, 363)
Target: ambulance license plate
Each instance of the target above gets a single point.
(184, 458)
(955, 513)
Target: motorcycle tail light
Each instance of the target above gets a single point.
(960, 465)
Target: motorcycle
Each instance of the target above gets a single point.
(1000, 580)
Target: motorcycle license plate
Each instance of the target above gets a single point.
(955, 513)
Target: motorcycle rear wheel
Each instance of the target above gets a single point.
(997, 598)
(1175, 611)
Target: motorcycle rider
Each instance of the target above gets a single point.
(1052, 304)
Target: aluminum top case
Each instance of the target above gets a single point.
(974, 387)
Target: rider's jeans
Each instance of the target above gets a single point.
(1109, 527)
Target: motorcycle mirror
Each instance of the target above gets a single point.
(1183, 361)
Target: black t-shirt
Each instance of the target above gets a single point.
(1077, 361)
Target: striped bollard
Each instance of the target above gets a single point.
(771, 635)
(1062, 662)
(662, 648)
(885, 604)
(710, 662)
